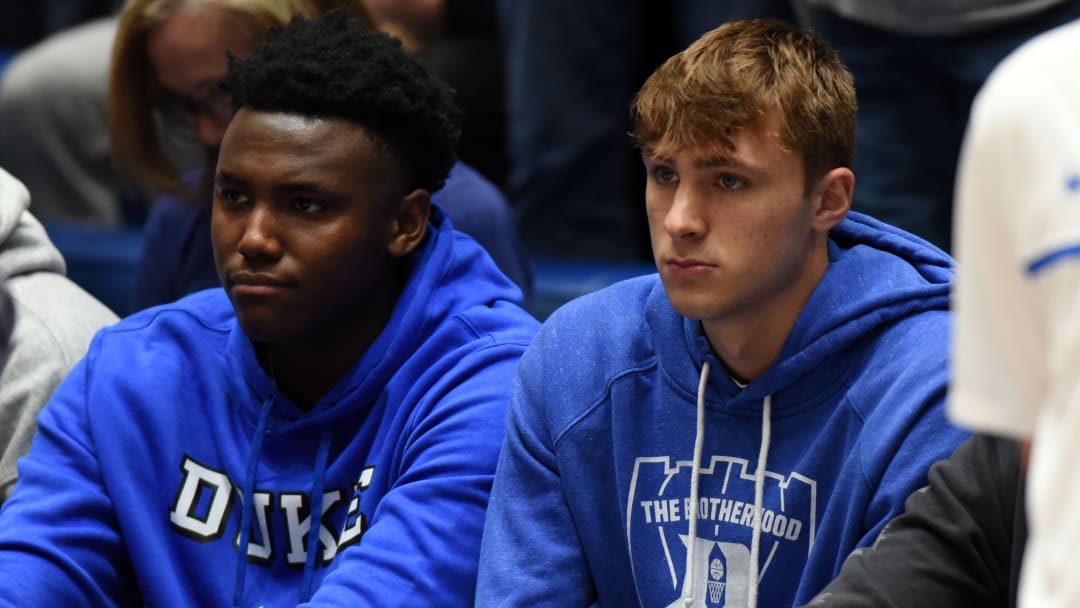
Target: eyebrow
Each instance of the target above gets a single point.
(228, 178)
(718, 160)
(298, 187)
(708, 162)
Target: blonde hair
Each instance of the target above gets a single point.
(735, 75)
(133, 129)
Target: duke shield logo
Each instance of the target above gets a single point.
(657, 516)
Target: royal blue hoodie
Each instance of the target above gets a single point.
(593, 499)
(168, 446)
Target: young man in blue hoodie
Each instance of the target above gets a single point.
(324, 430)
(726, 432)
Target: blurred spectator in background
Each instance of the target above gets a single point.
(917, 66)
(46, 322)
(53, 129)
(458, 40)
(167, 62)
(571, 70)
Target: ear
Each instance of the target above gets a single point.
(409, 224)
(832, 198)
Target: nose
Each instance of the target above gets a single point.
(260, 239)
(685, 218)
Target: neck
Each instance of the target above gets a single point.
(749, 341)
(306, 369)
(747, 353)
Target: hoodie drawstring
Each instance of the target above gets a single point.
(699, 445)
(246, 506)
(318, 484)
(759, 491)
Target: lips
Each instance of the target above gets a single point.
(687, 267)
(687, 263)
(257, 283)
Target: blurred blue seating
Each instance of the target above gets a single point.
(559, 280)
(101, 260)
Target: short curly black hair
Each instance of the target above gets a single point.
(337, 67)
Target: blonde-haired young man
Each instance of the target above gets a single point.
(726, 432)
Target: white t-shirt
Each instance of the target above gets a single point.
(1016, 347)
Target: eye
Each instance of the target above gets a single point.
(308, 205)
(730, 182)
(231, 196)
(664, 174)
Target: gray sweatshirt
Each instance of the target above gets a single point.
(933, 17)
(51, 323)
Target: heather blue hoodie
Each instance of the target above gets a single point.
(152, 453)
(592, 498)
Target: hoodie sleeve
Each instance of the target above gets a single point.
(900, 450)
(531, 554)
(423, 542)
(954, 544)
(904, 431)
(59, 543)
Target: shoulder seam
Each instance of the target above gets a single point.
(601, 398)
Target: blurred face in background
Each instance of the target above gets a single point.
(188, 53)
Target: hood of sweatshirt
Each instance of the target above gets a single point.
(25, 248)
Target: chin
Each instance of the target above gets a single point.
(686, 308)
(262, 329)
(697, 306)
(697, 314)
